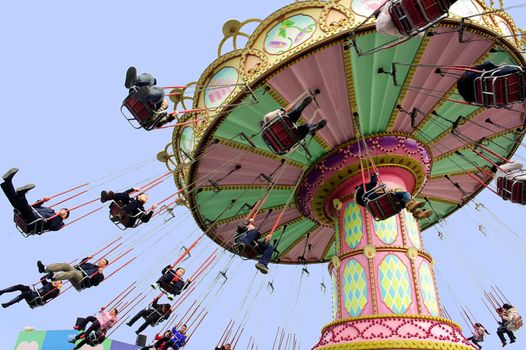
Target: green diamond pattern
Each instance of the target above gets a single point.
(386, 230)
(394, 284)
(412, 229)
(352, 224)
(428, 289)
(354, 288)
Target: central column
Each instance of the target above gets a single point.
(384, 288)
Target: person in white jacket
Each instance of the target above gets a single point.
(511, 322)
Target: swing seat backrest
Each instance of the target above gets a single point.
(495, 89)
(142, 112)
(37, 301)
(510, 189)
(415, 16)
(251, 251)
(84, 283)
(121, 218)
(381, 203)
(36, 227)
(281, 135)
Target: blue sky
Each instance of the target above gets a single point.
(63, 67)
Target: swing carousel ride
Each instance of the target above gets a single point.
(393, 108)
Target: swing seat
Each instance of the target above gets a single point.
(94, 338)
(282, 136)
(35, 227)
(141, 113)
(84, 283)
(512, 190)
(494, 89)
(122, 219)
(412, 17)
(159, 320)
(381, 203)
(37, 301)
(249, 251)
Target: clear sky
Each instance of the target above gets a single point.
(63, 67)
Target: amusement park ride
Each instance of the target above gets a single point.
(392, 108)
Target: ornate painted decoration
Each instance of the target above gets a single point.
(335, 294)
(392, 332)
(427, 285)
(352, 223)
(354, 288)
(412, 230)
(220, 86)
(386, 230)
(289, 33)
(186, 142)
(395, 285)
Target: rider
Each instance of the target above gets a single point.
(103, 322)
(144, 88)
(34, 298)
(511, 322)
(54, 221)
(478, 335)
(172, 281)
(250, 236)
(403, 197)
(133, 208)
(466, 82)
(178, 338)
(160, 341)
(84, 274)
(295, 114)
(385, 24)
(154, 314)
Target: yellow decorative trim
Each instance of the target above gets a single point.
(334, 27)
(412, 253)
(369, 251)
(260, 67)
(362, 251)
(261, 212)
(492, 137)
(347, 62)
(259, 152)
(246, 187)
(463, 121)
(408, 79)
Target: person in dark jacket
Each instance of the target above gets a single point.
(172, 281)
(224, 347)
(132, 208)
(84, 275)
(53, 221)
(93, 339)
(466, 82)
(403, 197)
(154, 314)
(144, 88)
(34, 298)
(251, 236)
(160, 341)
